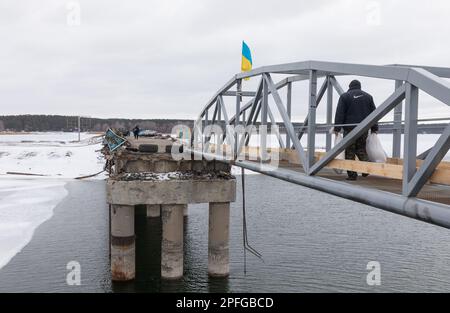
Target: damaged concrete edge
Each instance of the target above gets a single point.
(171, 191)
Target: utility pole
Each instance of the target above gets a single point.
(79, 128)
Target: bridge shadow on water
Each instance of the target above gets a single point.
(148, 262)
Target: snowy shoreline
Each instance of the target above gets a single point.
(20, 216)
(51, 154)
(29, 201)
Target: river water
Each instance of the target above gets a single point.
(310, 242)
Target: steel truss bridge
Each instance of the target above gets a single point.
(416, 186)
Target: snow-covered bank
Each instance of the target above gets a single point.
(51, 154)
(24, 205)
(28, 201)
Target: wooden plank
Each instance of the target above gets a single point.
(379, 169)
(440, 175)
(442, 165)
(393, 168)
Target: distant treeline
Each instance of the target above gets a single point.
(70, 123)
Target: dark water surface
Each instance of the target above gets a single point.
(310, 241)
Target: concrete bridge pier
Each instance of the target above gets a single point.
(122, 243)
(166, 187)
(172, 241)
(153, 210)
(218, 239)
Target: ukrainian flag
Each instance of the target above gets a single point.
(247, 63)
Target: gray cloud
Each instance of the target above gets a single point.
(156, 59)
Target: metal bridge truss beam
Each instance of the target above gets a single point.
(320, 94)
(286, 120)
(410, 146)
(312, 117)
(213, 121)
(430, 163)
(252, 117)
(408, 80)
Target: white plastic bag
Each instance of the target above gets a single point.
(341, 156)
(374, 149)
(337, 139)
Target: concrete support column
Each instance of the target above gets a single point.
(153, 210)
(172, 241)
(122, 243)
(218, 239)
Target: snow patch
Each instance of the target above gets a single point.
(51, 154)
(24, 205)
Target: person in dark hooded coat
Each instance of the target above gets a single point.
(353, 107)
(136, 131)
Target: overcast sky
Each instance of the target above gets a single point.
(165, 59)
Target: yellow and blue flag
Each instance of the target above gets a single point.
(247, 63)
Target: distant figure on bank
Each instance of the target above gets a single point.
(136, 131)
(353, 107)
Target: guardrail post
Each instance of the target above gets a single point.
(237, 120)
(263, 127)
(329, 112)
(410, 145)
(312, 117)
(397, 129)
(289, 111)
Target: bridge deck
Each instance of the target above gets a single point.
(430, 192)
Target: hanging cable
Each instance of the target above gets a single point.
(245, 243)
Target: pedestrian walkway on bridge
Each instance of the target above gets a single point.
(416, 185)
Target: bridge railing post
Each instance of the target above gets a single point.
(312, 117)
(263, 126)
(289, 110)
(397, 127)
(410, 146)
(329, 112)
(237, 116)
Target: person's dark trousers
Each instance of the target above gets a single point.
(358, 148)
